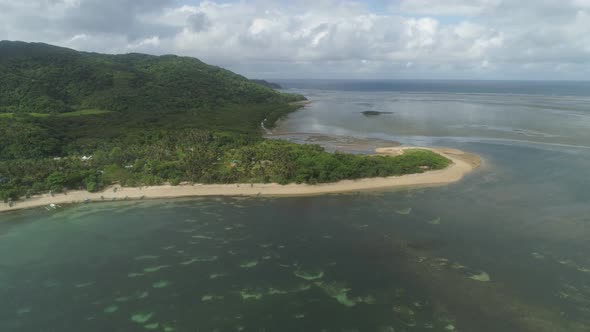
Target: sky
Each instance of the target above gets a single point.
(377, 39)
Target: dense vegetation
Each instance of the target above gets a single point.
(148, 120)
(38, 78)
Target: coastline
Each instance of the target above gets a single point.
(462, 163)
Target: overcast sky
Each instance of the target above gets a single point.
(475, 39)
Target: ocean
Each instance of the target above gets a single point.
(505, 249)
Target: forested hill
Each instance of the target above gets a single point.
(75, 120)
(40, 78)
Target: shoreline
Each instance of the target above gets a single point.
(462, 164)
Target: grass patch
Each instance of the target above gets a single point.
(84, 112)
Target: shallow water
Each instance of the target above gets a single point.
(429, 117)
(506, 249)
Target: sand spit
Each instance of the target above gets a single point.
(463, 163)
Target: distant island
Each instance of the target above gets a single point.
(374, 113)
(268, 84)
(76, 121)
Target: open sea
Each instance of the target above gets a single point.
(507, 249)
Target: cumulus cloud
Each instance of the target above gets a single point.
(198, 21)
(326, 38)
(448, 7)
(121, 17)
(52, 20)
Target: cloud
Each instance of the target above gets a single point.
(53, 18)
(448, 7)
(327, 38)
(121, 17)
(198, 22)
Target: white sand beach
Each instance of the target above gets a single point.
(462, 163)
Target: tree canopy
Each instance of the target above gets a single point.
(75, 120)
(40, 78)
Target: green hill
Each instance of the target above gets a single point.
(40, 78)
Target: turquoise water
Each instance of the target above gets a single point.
(506, 249)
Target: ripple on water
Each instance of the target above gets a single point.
(110, 309)
(405, 211)
(153, 269)
(135, 275)
(142, 317)
(152, 326)
(483, 277)
(309, 275)
(85, 284)
(434, 221)
(249, 264)
(249, 295)
(146, 257)
(161, 284)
